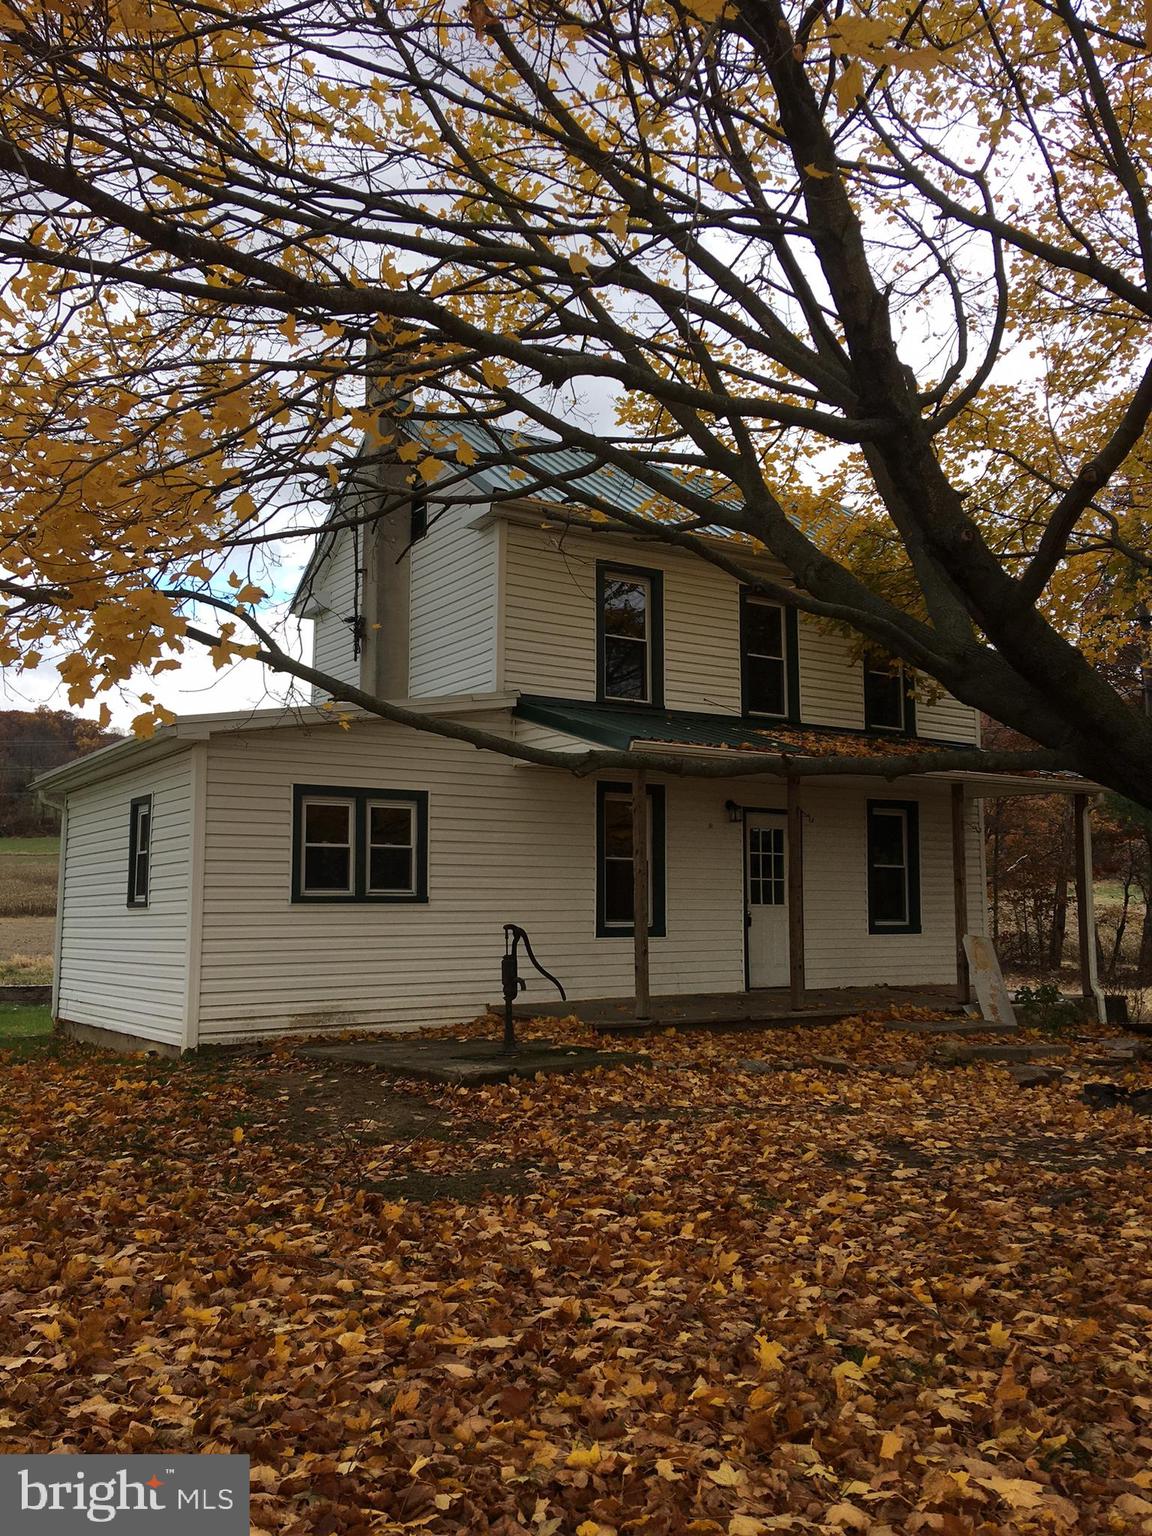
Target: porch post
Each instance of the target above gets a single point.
(960, 892)
(640, 917)
(1086, 904)
(795, 895)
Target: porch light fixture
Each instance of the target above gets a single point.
(735, 812)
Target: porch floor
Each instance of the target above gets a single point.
(763, 1008)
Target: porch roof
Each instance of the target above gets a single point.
(622, 726)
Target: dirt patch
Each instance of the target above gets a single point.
(468, 1187)
(26, 945)
(364, 1106)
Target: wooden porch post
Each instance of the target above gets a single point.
(960, 892)
(640, 916)
(1086, 904)
(795, 895)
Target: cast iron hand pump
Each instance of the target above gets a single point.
(512, 984)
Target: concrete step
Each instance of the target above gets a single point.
(962, 1055)
(953, 1027)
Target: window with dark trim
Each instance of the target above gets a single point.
(769, 658)
(360, 845)
(139, 850)
(615, 909)
(893, 866)
(889, 697)
(629, 634)
(418, 517)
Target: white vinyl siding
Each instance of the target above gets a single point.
(550, 619)
(839, 950)
(334, 601)
(831, 679)
(454, 606)
(505, 844)
(126, 968)
(550, 634)
(942, 717)
(514, 844)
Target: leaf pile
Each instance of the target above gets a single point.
(721, 1302)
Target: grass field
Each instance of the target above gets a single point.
(28, 868)
(22, 1027)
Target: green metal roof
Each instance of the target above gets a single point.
(618, 725)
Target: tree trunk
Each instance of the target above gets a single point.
(1144, 958)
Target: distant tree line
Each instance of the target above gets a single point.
(31, 742)
(1031, 881)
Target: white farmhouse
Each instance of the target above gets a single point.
(290, 871)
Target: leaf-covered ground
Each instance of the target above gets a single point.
(687, 1299)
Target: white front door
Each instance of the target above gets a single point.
(766, 893)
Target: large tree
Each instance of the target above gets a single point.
(869, 285)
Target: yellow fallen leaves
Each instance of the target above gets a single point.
(769, 1353)
(584, 1457)
(696, 1314)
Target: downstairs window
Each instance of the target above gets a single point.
(359, 845)
(615, 868)
(893, 866)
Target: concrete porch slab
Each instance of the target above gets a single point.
(762, 1008)
(470, 1062)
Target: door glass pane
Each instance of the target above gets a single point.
(766, 866)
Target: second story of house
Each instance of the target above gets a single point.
(439, 598)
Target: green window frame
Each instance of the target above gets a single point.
(139, 851)
(889, 697)
(893, 866)
(356, 845)
(614, 865)
(769, 664)
(613, 642)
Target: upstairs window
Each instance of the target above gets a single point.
(769, 663)
(615, 866)
(893, 866)
(362, 845)
(629, 622)
(418, 517)
(139, 850)
(889, 701)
